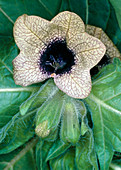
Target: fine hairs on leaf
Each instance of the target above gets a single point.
(105, 103)
(95, 147)
(46, 92)
(13, 159)
(14, 133)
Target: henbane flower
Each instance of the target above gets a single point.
(59, 48)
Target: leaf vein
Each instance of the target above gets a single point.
(6, 67)
(45, 7)
(100, 102)
(103, 77)
(19, 89)
(4, 13)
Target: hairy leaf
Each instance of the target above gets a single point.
(37, 99)
(85, 153)
(42, 149)
(65, 161)
(16, 132)
(57, 149)
(21, 158)
(104, 103)
(70, 130)
(49, 114)
(11, 96)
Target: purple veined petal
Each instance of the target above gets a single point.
(34, 35)
(76, 84)
(88, 49)
(27, 71)
(71, 22)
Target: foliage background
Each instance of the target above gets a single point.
(100, 143)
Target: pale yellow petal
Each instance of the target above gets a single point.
(29, 32)
(76, 84)
(88, 50)
(111, 49)
(27, 71)
(54, 32)
(32, 32)
(71, 22)
(43, 29)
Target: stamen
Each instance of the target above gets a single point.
(53, 74)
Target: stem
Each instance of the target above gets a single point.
(29, 146)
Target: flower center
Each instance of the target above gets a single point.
(57, 58)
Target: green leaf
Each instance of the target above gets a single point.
(98, 13)
(80, 7)
(64, 6)
(22, 158)
(65, 161)
(53, 136)
(58, 148)
(116, 164)
(113, 30)
(117, 6)
(42, 149)
(70, 130)
(27, 104)
(104, 103)
(17, 129)
(38, 98)
(49, 114)
(16, 132)
(11, 96)
(84, 128)
(85, 153)
(83, 117)
(10, 11)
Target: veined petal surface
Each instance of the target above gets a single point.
(77, 84)
(88, 50)
(27, 71)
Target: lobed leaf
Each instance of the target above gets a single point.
(42, 149)
(104, 104)
(11, 96)
(37, 99)
(104, 101)
(85, 153)
(65, 161)
(58, 148)
(16, 132)
(21, 158)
